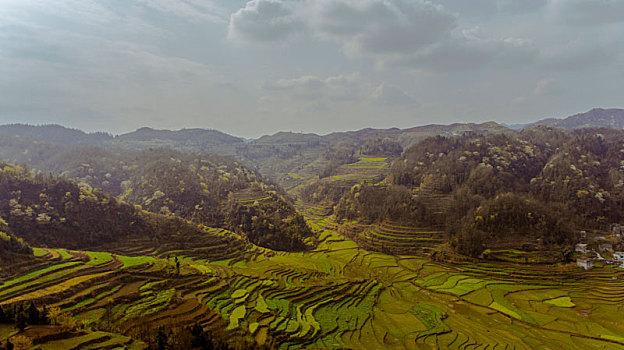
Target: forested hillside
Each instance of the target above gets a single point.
(528, 189)
(12, 248)
(204, 188)
(54, 212)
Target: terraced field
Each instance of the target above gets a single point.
(250, 196)
(365, 170)
(337, 296)
(391, 238)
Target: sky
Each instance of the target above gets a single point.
(256, 67)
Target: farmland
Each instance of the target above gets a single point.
(338, 295)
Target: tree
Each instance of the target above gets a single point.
(161, 339)
(20, 321)
(53, 314)
(200, 338)
(34, 316)
(21, 342)
(43, 316)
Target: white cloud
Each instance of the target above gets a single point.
(264, 21)
(544, 86)
(390, 95)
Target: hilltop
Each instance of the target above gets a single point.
(594, 118)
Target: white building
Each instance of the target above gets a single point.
(581, 248)
(585, 263)
(619, 256)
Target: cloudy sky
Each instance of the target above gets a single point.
(256, 67)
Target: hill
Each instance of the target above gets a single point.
(206, 189)
(53, 212)
(54, 133)
(571, 180)
(595, 118)
(13, 250)
(188, 140)
(289, 159)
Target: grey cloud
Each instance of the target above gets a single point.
(546, 87)
(587, 12)
(521, 6)
(264, 21)
(470, 8)
(381, 27)
(415, 33)
(466, 51)
(481, 8)
(191, 9)
(578, 55)
(336, 88)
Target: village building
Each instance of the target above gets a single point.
(581, 248)
(619, 257)
(617, 229)
(585, 263)
(605, 247)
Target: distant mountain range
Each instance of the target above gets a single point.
(595, 118)
(206, 139)
(284, 157)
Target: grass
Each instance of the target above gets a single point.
(296, 176)
(55, 289)
(99, 258)
(35, 274)
(132, 261)
(561, 302)
(236, 315)
(150, 305)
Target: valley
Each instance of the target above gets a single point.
(459, 237)
(335, 296)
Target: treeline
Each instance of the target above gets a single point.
(531, 189)
(50, 211)
(173, 337)
(336, 156)
(9, 243)
(370, 203)
(22, 316)
(382, 147)
(270, 222)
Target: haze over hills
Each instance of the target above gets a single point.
(204, 140)
(275, 156)
(595, 118)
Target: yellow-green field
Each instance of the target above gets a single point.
(336, 296)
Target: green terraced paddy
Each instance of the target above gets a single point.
(336, 296)
(369, 163)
